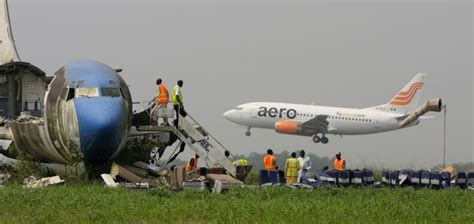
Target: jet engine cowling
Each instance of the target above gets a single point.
(435, 105)
(290, 127)
(287, 127)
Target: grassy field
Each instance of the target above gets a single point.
(96, 203)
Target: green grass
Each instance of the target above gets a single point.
(96, 203)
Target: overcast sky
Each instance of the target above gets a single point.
(334, 53)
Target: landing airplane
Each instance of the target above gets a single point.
(83, 112)
(318, 121)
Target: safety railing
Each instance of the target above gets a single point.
(194, 135)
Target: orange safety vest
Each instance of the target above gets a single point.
(162, 95)
(195, 166)
(269, 162)
(339, 164)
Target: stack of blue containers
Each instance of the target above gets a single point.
(393, 178)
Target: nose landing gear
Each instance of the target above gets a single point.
(247, 133)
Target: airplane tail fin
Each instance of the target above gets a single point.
(8, 52)
(408, 98)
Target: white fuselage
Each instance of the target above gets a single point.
(342, 121)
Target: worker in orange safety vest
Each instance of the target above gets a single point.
(161, 99)
(339, 163)
(269, 161)
(192, 165)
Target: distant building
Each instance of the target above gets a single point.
(22, 88)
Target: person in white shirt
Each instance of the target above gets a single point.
(305, 166)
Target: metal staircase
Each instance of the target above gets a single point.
(194, 136)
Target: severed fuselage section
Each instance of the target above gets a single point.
(86, 116)
(82, 113)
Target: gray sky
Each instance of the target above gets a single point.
(334, 53)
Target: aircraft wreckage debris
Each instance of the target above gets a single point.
(32, 182)
(4, 177)
(119, 171)
(143, 175)
(136, 176)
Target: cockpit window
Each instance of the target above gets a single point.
(121, 92)
(80, 84)
(87, 92)
(113, 92)
(240, 108)
(70, 94)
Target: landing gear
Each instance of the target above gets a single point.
(323, 139)
(247, 133)
(316, 139)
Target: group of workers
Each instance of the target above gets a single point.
(162, 100)
(297, 170)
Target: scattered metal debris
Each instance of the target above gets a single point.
(109, 180)
(178, 177)
(140, 175)
(300, 186)
(119, 171)
(32, 182)
(137, 171)
(224, 179)
(222, 182)
(137, 185)
(198, 185)
(218, 187)
(4, 177)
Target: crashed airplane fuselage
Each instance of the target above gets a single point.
(86, 109)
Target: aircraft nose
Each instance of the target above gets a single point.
(232, 115)
(102, 127)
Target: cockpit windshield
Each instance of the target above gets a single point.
(87, 92)
(94, 92)
(112, 92)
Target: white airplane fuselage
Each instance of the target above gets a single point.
(342, 121)
(401, 111)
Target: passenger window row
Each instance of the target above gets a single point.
(350, 118)
(338, 117)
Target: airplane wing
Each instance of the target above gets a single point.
(318, 124)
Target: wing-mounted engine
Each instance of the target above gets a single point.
(435, 105)
(288, 127)
(318, 124)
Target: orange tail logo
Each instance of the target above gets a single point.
(404, 97)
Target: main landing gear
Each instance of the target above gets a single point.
(323, 139)
(247, 133)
